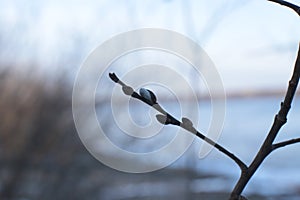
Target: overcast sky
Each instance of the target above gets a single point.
(253, 43)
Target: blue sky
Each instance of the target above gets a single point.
(253, 43)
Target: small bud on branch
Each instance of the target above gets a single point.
(165, 118)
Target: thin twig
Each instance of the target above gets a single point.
(285, 143)
(288, 4)
(166, 118)
(240, 163)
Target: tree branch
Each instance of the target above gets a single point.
(285, 143)
(288, 4)
(186, 124)
(267, 147)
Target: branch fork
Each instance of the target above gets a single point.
(268, 145)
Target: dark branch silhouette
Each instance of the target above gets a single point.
(267, 147)
(166, 119)
(289, 5)
(285, 143)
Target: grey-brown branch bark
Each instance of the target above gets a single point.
(166, 118)
(267, 147)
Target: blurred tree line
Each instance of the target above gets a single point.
(41, 155)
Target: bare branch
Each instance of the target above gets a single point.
(285, 143)
(279, 121)
(186, 124)
(289, 5)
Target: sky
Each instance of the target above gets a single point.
(253, 43)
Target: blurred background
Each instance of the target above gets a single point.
(43, 44)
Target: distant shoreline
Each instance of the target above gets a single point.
(248, 94)
(258, 94)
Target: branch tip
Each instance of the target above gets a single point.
(114, 77)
